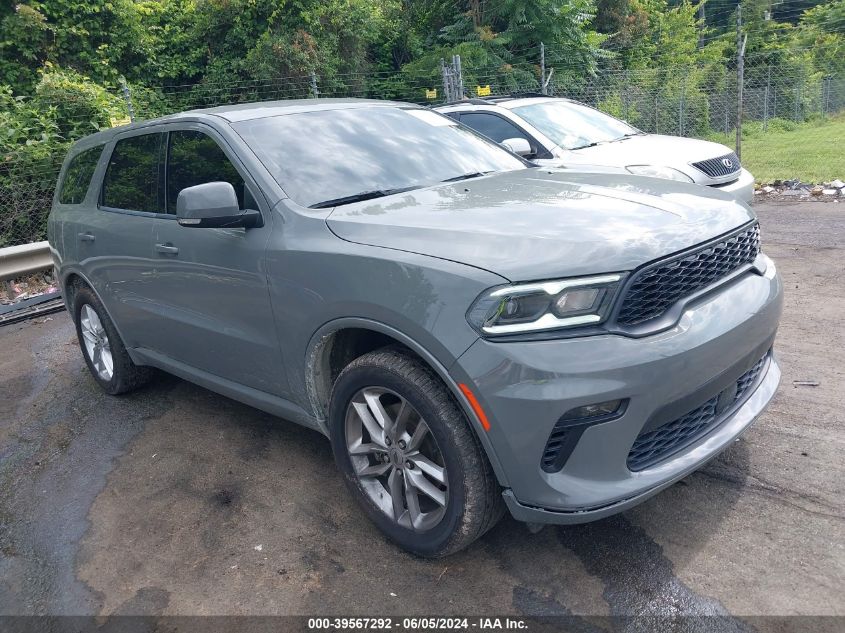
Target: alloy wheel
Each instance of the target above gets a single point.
(396, 458)
(97, 343)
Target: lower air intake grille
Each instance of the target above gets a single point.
(658, 444)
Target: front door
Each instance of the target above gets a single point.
(210, 285)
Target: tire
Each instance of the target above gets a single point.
(378, 383)
(89, 314)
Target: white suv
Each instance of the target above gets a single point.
(563, 133)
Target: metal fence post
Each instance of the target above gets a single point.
(656, 114)
(626, 86)
(826, 94)
(315, 93)
(459, 77)
(543, 68)
(127, 96)
(766, 98)
(740, 78)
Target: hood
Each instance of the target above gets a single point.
(650, 149)
(534, 224)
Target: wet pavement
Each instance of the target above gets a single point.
(174, 500)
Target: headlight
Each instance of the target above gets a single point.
(548, 305)
(656, 171)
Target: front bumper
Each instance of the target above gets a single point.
(742, 188)
(525, 387)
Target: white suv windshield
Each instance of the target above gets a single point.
(572, 125)
(331, 157)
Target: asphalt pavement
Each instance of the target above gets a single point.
(175, 500)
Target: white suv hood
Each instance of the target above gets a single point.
(649, 149)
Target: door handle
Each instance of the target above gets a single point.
(85, 237)
(167, 250)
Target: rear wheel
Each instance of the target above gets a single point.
(409, 456)
(104, 352)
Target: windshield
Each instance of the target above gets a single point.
(332, 157)
(572, 125)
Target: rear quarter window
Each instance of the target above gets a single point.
(78, 176)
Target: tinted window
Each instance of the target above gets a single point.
(195, 158)
(493, 127)
(572, 125)
(133, 179)
(78, 175)
(323, 155)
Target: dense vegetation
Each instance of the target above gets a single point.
(62, 61)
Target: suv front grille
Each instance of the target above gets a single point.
(719, 167)
(658, 444)
(655, 289)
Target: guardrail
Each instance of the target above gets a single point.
(16, 261)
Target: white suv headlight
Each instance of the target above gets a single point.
(656, 171)
(547, 305)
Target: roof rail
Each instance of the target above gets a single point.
(472, 100)
(528, 94)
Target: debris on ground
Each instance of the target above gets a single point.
(828, 191)
(16, 290)
(805, 383)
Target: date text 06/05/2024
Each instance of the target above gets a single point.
(417, 623)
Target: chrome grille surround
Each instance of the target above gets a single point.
(720, 167)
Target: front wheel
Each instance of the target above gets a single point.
(409, 456)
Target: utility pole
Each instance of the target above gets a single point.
(740, 77)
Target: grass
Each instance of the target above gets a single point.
(811, 152)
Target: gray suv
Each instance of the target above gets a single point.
(470, 331)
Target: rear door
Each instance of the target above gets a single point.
(210, 286)
(74, 203)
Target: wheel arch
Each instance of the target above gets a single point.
(70, 280)
(326, 356)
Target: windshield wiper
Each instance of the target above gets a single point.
(360, 197)
(593, 144)
(628, 135)
(474, 174)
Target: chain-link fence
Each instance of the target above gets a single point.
(685, 101)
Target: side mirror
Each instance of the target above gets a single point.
(213, 205)
(517, 145)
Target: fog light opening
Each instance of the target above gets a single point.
(588, 412)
